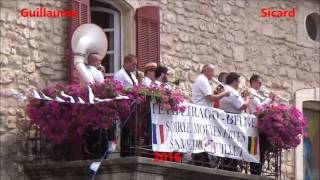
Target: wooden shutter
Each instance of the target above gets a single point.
(83, 8)
(147, 35)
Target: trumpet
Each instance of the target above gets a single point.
(267, 92)
(235, 92)
(225, 87)
(254, 94)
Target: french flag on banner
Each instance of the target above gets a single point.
(157, 134)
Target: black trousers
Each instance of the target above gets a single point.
(95, 143)
(256, 168)
(230, 164)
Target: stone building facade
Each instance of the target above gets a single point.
(231, 34)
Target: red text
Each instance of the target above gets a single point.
(173, 156)
(44, 12)
(267, 12)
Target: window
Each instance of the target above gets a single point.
(108, 18)
(312, 25)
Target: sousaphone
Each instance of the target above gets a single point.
(86, 39)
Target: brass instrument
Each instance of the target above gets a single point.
(225, 87)
(267, 92)
(174, 84)
(254, 94)
(86, 39)
(236, 92)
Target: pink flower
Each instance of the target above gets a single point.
(283, 124)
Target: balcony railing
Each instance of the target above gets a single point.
(133, 137)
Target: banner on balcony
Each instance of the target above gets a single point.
(205, 129)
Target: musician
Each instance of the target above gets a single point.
(94, 62)
(125, 74)
(254, 104)
(233, 104)
(161, 75)
(202, 93)
(103, 70)
(221, 78)
(149, 74)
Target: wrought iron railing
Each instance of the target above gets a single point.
(135, 140)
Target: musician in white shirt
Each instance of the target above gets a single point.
(125, 74)
(149, 74)
(94, 62)
(256, 103)
(161, 75)
(234, 103)
(202, 93)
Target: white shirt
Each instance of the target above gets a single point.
(158, 83)
(123, 77)
(95, 73)
(146, 81)
(231, 103)
(165, 85)
(256, 103)
(200, 89)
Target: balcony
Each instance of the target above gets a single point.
(131, 168)
(134, 160)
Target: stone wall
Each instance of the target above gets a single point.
(231, 35)
(32, 54)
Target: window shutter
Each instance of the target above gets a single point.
(83, 8)
(147, 35)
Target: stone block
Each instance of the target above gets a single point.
(4, 60)
(33, 43)
(30, 67)
(7, 76)
(164, 1)
(5, 46)
(25, 33)
(59, 75)
(46, 70)
(36, 79)
(192, 76)
(240, 37)
(226, 8)
(32, 23)
(23, 50)
(184, 37)
(291, 73)
(238, 53)
(10, 122)
(228, 37)
(241, 4)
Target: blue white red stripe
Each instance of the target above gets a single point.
(157, 134)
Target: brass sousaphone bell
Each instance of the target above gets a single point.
(86, 39)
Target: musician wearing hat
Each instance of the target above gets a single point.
(149, 74)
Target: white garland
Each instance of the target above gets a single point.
(37, 94)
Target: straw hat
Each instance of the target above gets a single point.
(150, 66)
